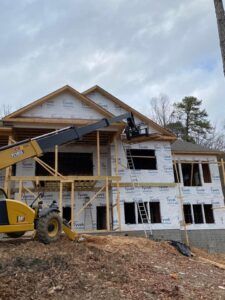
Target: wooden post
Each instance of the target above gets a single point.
(222, 166)
(56, 159)
(107, 204)
(20, 190)
(117, 184)
(72, 204)
(8, 172)
(181, 205)
(98, 155)
(60, 196)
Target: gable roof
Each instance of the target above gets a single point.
(59, 91)
(125, 106)
(183, 147)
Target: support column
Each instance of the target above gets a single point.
(98, 155)
(223, 171)
(8, 172)
(107, 204)
(56, 159)
(72, 204)
(117, 184)
(60, 197)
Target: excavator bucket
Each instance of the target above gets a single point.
(72, 235)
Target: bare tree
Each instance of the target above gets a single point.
(216, 140)
(5, 110)
(220, 16)
(161, 110)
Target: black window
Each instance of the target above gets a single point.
(155, 212)
(198, 216)
(176, 172)
(141, 159)
(129, 212)
(209, 218)
(206, 173)
(187, 214)
(191, 174)
(68, 164)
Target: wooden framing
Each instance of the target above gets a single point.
(98, 154)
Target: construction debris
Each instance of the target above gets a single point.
(106, 267)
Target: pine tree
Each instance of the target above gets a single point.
(190, 121)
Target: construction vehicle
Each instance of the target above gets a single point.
(16, 217)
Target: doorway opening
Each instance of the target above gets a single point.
(101, 217)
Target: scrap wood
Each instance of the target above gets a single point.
(214, 263)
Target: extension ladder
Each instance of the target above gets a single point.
(141, 207)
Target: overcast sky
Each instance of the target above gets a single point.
(136, 49)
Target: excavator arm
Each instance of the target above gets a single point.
(37, 146)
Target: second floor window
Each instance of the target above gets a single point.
(191, 174)
(141, 159)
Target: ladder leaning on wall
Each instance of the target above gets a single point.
(141, 207)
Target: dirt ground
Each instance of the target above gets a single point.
(106, 267)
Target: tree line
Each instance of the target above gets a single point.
(188, 121)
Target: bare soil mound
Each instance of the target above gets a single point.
(106, 267)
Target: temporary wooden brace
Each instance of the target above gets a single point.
(98, 154)
(181, 205)
(89, 202)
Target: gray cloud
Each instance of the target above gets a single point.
(136, 49)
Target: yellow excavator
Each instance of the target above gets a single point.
(16, 217)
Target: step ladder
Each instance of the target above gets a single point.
(141, 207)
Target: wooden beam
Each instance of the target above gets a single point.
(60, 197)
(223, 171)
(69, 178)
(98, 154)
(20, 190)
(56, 159)
(72, 204)
(181, 206)
(117, 184)
(144, 184)
(89, 202)
(107, 204)
(8, 173)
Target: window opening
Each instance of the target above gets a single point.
(155, 212)
(191, 174)
(129, 213)
(198, 215)
(206, 173)
(208, 210)
(143, 159)
(187, 214)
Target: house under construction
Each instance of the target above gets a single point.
(153, 185)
